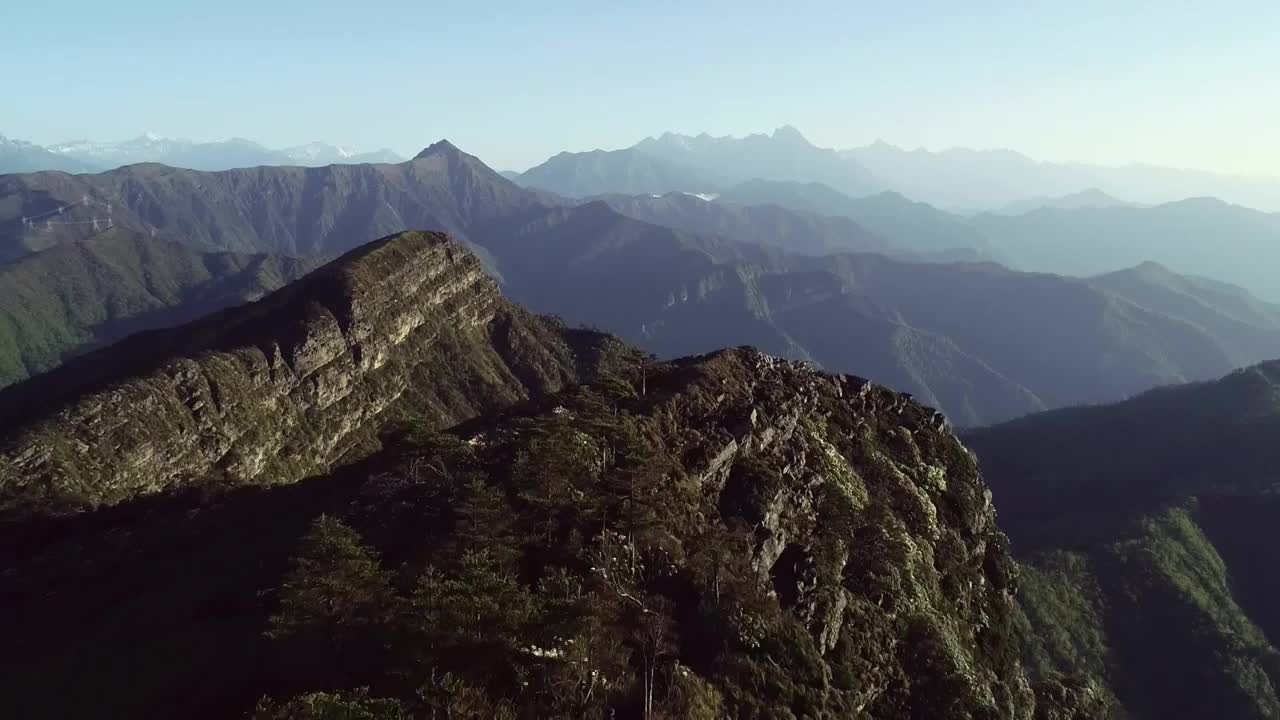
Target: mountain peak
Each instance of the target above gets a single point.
(440, 147)
(789, 133)
(1151, 270)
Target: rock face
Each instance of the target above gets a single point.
(281, 388)
(802, 544)
(869, 525)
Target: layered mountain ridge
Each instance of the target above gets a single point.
(699, 292)
(308, 374)
(85, 156)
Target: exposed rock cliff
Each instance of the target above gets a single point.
(726, 536)
(282, 388)
(869, 526)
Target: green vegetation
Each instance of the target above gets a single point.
(731, 536)
(75, 297)
(1149, 530)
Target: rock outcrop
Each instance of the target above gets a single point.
(406, 327)
(727, 535)
(869, 524)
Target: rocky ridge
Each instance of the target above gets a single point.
(869, 525)
(280, 388)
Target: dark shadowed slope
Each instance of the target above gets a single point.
(78, 296)
(1151, 529)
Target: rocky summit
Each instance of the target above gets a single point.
(281, 388)
(457, 509)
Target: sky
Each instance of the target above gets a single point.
(1183, 84)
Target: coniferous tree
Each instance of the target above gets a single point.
(335, 591)
(335, 607)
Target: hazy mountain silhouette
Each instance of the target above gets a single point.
(1201, 236)
(17, 156)
(807, 233)
(910, 226)
(701, 164)
(94, 156)
(961, 178)
(1091, 198)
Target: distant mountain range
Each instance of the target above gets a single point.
(993, 179)
(912, 226)
(1082, 235)
(979, 341)
(17, 156)
(90, 156)
(760, 224)
(958, 179)
(702, 164)
(1091, 198)
(1203, 236)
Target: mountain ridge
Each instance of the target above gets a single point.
(692, 290)
(702, 164)
(306, 366)
(91, 156)
(1146, 529)
(77, 296)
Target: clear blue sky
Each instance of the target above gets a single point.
(1190, 84)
